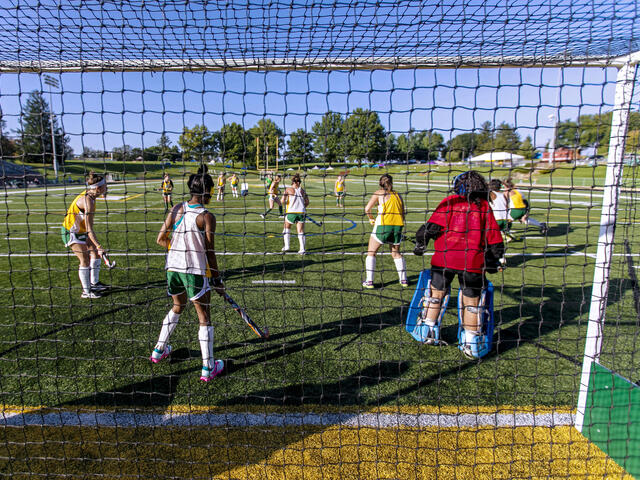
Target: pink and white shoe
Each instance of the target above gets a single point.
(157, 356)
(211, 373)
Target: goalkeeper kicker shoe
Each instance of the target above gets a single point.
(157, 356)
(210, 373)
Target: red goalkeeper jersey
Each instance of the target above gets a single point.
(467, 229)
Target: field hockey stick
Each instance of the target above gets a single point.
(109, 264)
(256, 329)
(319, 224)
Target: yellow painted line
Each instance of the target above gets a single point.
(310, 452)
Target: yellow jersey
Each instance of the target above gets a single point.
(221, 181)
(234, 180)
(167, 187)
(74, 220)
(273, 188)
(391, 212)
(339, 186)
(516, 199)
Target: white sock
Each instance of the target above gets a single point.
(85, 278)
(168, 325)
(205, 337)
(95, 270)
(301, 240)
(370, 266)
(401, 267)
(287, 238)
(533, 222)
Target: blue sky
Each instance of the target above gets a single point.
(107, 110)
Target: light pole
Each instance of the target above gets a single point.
(552, 143)
(52, 82)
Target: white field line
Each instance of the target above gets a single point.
(275, 282)
(262, 254)
(374, 420)
(42, 190)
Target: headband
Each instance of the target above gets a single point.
(98, 184)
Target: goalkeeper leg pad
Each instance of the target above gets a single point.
(477, 344)
(426, 329)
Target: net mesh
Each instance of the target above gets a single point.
(135, 90)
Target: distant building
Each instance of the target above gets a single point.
(499, 158)
(561, 154)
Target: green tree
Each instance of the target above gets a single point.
(35, 132)
(364, 136)
(527, 150)
(233, 141)
(484, 140)
(506, 139)
(424, 145)
(123, 153)
(7, 146)
(198, 143)
(162, 150)
(328, 141)
(461, 147)
(269, 135)
(300, 147)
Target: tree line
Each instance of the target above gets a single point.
(357, 137)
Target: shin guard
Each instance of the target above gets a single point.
(477, 344)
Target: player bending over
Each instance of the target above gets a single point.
(467, 244)
(519, 208)
(387, 228)
(79, 235)
(191, 248)
(500, 207)
(273, 191)
(296, 201)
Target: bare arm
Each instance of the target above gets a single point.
(208, 221)
(372, 202)
(306, 198)
(163, 234)
(89, 205)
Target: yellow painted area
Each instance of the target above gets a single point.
(308, 452)
(125, 199)
(310, 408)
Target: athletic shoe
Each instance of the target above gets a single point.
(284, 249)
(157, 356)
(91, 294)
(367, 284)
(543, 228)
(302, 252)
(280, 216)
(210, 373)
(404, 284)
(262, 215)
(99, 287)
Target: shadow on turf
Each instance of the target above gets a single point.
(292, 262)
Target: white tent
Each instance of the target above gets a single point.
(499, 157)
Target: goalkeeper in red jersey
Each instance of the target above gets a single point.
(467, 244)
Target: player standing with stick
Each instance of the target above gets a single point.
(273, 192)
(191, 250)
(78, 234)
(167, 189)
(222, 181)
(340, 190)
(234, 184)
(296, 201)
(387, 228)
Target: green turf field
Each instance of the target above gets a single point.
(332, 343)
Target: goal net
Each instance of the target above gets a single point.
(331, 133)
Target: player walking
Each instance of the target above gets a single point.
(340, 190)
(273, 193)
(167, 189)
(222, 181)
(296, 201)
(191, 250)
(79, 235)
(499, 205)
(234, 185)
(467, 244)
(387, 228)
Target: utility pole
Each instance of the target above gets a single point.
(52, 82)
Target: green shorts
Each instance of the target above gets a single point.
(195, 285)
(388, 234)
(295, 217)
(503, 224)
(69, 238)
(341, 194)
(517, 213)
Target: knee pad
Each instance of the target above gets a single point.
(428, 331)
(479, 343)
